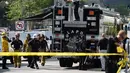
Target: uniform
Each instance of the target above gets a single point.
(5, 48)
(92, 45)
(27, 48)
(111, 61)
(43, 46)
(17, 46)
(35, 45)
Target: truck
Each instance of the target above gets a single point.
(70, 34)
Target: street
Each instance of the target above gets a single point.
(51, 66)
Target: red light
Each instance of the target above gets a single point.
(91, 12)
(57, 34)
(57, 39)
(59, 11)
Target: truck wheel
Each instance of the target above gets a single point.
(62, 62)
(69, 62)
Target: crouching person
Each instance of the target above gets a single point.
(17, 46)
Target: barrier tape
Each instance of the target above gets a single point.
(55, 54)
(122, 63)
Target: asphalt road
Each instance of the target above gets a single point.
(51, 66)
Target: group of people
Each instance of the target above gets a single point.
(109, 63)
(38, 43)
(35, 43)
(108, 45)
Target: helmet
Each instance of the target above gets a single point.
(3, 33)
(34, 36)
(17, 34)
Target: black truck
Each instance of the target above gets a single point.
(69, 35)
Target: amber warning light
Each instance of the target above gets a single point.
(59, 11)
(91, 12)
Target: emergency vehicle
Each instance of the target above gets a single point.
(70, 35)
(69, 31)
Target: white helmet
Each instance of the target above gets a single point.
(34, 36)
(17, 34)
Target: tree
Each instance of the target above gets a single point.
(24, 8)
(122, 9)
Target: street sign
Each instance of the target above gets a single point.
(19, 25)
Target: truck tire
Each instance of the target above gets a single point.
(62, 62)
(69, 62)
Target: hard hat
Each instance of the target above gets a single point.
(34, 36)
(3, 33)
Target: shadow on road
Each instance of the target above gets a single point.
(86, 69)
(4, 70)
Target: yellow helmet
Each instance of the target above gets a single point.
(3, 33)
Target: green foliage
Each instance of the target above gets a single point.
(111, 31)
(122, 9)
(24, 8)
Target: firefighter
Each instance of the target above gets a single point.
(5, 48)
(35, 45)
(43, 47)
(27, 48)
(17, 46)
(111, 61)
(103, 45)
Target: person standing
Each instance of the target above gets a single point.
(35, 45)
(111, 61)
(27, 48)
(103, 45)
(17, 46)
(43, 47)
(5, 48)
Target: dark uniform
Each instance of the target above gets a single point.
(92, 45)
(17, 46)
(43, 47)
(35, 45)
(111, 61)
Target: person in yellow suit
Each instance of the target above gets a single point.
(17, 46)
(27, 48)
(5, 48)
